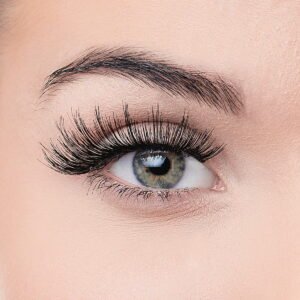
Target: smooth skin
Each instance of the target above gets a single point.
(57, 242)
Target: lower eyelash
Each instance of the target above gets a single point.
(144, 203)
(99, 181)
(147, 203)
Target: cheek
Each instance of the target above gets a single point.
(57, 241)
(62, 243)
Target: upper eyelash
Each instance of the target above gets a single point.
(84, 149)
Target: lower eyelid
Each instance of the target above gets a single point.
(152, 204)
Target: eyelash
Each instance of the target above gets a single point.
(90, 149)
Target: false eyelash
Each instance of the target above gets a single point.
(83, 149)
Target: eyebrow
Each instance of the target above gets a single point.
(148, 68)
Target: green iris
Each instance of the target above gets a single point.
(159, 169)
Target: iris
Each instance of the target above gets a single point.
(158, 169)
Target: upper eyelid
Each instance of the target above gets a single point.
(84, 139)
(208, 89)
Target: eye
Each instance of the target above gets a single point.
(160, 169)
(133, 161)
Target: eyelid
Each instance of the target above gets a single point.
(149, 204)
(88, 150)
(83, 148)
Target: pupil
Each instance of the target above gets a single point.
(161, 169)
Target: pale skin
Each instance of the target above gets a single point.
(59, 242)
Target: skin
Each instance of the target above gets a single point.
(57, 242)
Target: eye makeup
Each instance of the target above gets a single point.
(91, 149)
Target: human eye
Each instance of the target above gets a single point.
(163, 169)
(151, 163)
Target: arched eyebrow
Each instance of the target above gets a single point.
(148, 68)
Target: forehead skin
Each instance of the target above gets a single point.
(256, 44)
(261, 34)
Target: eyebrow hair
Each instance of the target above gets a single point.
(145, 67)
